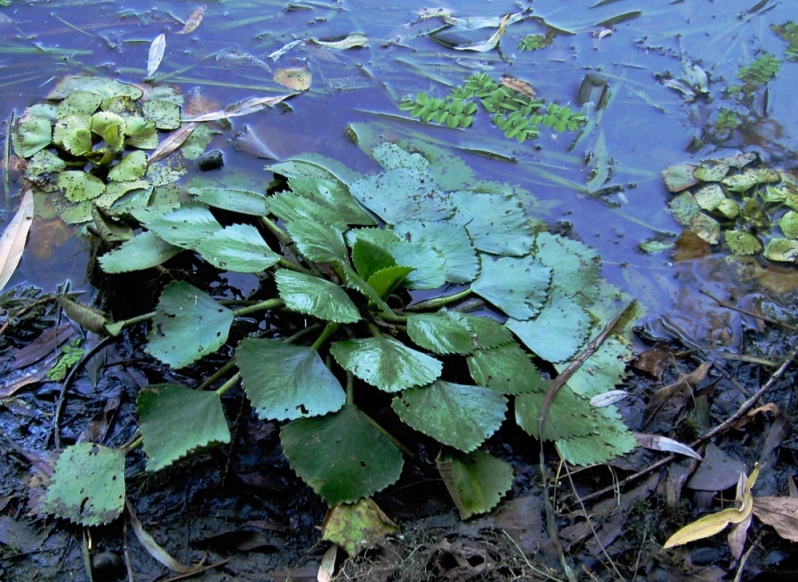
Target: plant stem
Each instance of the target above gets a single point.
(262, 306)
(439, 302)
(328, 330)
(134, 320)
(229, 384)
(293, 266)
(276, 230)
(218, 374)
(350, 388)
(134, 445)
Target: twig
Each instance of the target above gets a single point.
(56, 428)
(744, 408)
(761, 316)
(528, 563)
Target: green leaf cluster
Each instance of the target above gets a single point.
(86, 145)
(71, 353)
(345, 251)
(789, 34)
(533, 42)
(515, 113)
(752, 210)
(761, 71)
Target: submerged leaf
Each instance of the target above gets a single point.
(342, 456)
(354, 40)
(297, 79)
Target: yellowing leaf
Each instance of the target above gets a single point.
(357, 526)
(12, 242)
(193, 21)
(711, 524)
(297, 79)
(155, 56)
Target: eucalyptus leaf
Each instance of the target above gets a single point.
(88, 485)
(476, 481)
(314, 296)
(457, 415)
(188, 325)
(342, 456)
(386, 363)
(286, 382)
(176, 421)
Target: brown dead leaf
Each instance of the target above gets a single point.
(297, 79)
(327, 566)
(193, 21)
(244, 107)
(781, 280)
(46, 236)
(781, 513)
(688, 381)
(654, 360)
(518, 85)
(769, 407)
(173, 141)
(690, 246)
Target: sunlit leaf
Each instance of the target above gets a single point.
(73, 133)
(164, 113)
(781, 249)
(429, 265)
(705, 227)
(342, 456)
(176, 421)
(557, 333)
(292, 207)
(193, 21)
(315, 296)
(184, 227)
(188, 325)
(742, 243)
(450, 240)
(80, 186)
(457, 415)
(444, 332)
(317, 241)
(132, 167)
(32, 133)
(88, 485)
(297, 79)
(476, 481)
(386, 363)
(285, 382)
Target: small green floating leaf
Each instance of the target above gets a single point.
(88, 485)
(111, 127)
(709, 197)
(517, 286)
(557, 333)
(684, 207)
(386, 363)
(32, 133)
(742, 243)
(165, 114)
(80, 186)
(73, 133)
(781, 249)
(342, 456)
(750, 178)
(789, 224)
(143, 251)
(188, 325)
(286, 382)
(106, 88)
(78, 103)
(176, 421)
(457, 415)
(476, 481)
(506, 369)
(602, 371)
(132, 167)
(711, 171)
(315, 296)
(680, 177)
(239, 248)
(705, 227)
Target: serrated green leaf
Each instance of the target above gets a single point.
(188, 325)
(132, 167)
(709, 197)
(32, 133)
(78, 103)
(80, 186)
(428, 265)
(141, 133)
(176, 421)
(789, 224)
(781, 249)
(457, 415)
(711, 171)
(110, 127)
(517, 286)
(184, 227)
(239, 248)
(476, 481)
(143, 251)
(386, 281)
(88, 485)
(557, 333)
(444, 332)
(612, 440)
(506, 369)
(233, 199)
(750, 178)
(450, 240)
(317, 241)
(342, 456)
(73, 133)
(165, 114)
(684, 207)
(602, 371)
(679, 177)
(285, 382)
(369, 258)
(355, 281)
(314, 296)
(496, 223)
(382, 237)
(102, 86)
(315, 177)
(569, 415)
(742, 243)
(386, 363)
(291, 207)
(574, 266)
(705, 227)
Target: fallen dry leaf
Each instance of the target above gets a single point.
(781, 513)
(769, 407)
(193, 21)
(518, 85)
(244, 107)
(654, 360)
(297, 79)
(12, 241)
(173, 141)
(155, 56)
